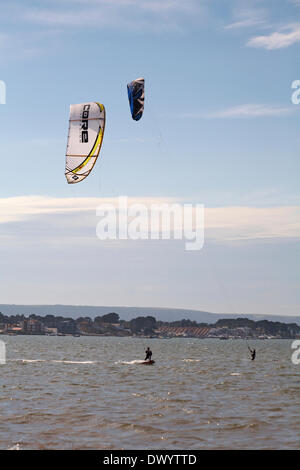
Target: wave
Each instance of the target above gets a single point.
(15, 447)
(74, 362)
(191, 360)
(136, 361)
(53, 360)
(30, 360)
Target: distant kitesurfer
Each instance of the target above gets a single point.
(253, 353)
(148, 354)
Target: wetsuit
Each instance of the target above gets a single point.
(148, 354)
(253, 353)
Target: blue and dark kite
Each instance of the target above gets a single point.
(136, 98)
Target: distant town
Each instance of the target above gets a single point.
(145, 326)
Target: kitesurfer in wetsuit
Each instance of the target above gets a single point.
(148, 354)
(253, 353)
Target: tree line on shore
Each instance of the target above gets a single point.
(111, 323)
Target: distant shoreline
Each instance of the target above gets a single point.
(167, 314)
(110, 324)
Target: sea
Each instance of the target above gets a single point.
(94, 393)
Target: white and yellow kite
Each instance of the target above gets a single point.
(86, 129)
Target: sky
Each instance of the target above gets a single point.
(219, 129)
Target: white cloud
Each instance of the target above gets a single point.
(133, 14)
(147, 5)
(288, 36)
(246, 17)
(251, 110)
(78, 216)
(20, 208)
(246, 223)
(244, 111)
(246, 23)
(26, 45)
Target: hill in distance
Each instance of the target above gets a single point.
(127, 313)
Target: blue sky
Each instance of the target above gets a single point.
(219, 129)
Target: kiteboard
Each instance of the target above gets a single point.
(148, 363)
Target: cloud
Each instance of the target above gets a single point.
(128, 14)
(246, 23)
(244, 111)
(20, 208)
(251, 110)
(26, 45)
(252, 223)
(288, 36)
(248, 17)
(44, 219)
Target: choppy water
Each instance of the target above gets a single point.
(90, 393)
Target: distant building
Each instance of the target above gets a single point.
(14, 330)
(67, 327)
(183, 331)
(32, 326)
(51, 331)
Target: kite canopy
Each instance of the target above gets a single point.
(86, 129)
(136, 91)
